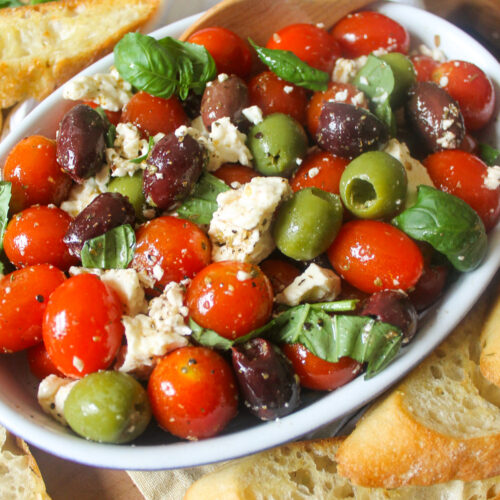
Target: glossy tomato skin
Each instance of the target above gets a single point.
(463, 175)
(308, 42)
(231, 173)
(274, 95)
(374, 256)
(230, 52)
(82, 329)
(316, 373)
(154, 114)
(232, 298)
(35, 236)
(424, 66)
(319, 169)
(23, 299)
(35, 175)
(171, 249)
(281, 273)
(39, 362)
(361, 33)
(471, 88)
(193, 393)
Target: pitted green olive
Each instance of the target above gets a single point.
(131, 187)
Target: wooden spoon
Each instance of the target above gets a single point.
(259, 19)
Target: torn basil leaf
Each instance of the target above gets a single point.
(489, 155)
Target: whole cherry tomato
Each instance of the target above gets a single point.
(114, 117)
(82, 329)
(339, 92)
(464, 175)
(308, 42)
(274, 95)
(192, 392)
(35, 175)
(374, 256)
(471, 88)
(280, 272)
(316, 373)
(230, 52)
(424, 66)
(40, 364)
(154, 114)
(35, 236)
(24, 295)
(231, 173)
(319, 169)
(170, 249)
(361, 33)
(232, 298)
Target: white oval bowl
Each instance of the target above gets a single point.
(19, 410)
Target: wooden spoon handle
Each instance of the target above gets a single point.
(259, 19)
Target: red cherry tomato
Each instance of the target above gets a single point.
(114, 117)
(230, 173)
(319, 169)
(308, 42)
(374, 256)
(361, 33)
(40, 364)
(192, 392)
(340, 92)
(232, 298)
(471, 88)
(24, 295)
(171, 249)
(463, 175)
(35, 175)
(280, 272)
(153, 114)
(230, 52)
(82, 329)
(274, 95)
(35, 236)
(424, 66)
(316, 373)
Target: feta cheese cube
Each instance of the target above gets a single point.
(52, 393)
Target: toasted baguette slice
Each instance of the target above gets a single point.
(489, 361)
(441, 423)
(42, 46)
(307, 471)
(20, 477)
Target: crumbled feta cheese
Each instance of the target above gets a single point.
(288, 89)
(243, 276)
(415, 171)
(52, 393)
(341, 96)
(83, 194)
(315, 284)
(241, 227)
(313, 172)
(448, 140)
(492, 179)
(222, 77)
(345, 69)
(359, 99)
(443, 81)
(253, 114)
(435, 53)
(108, 90)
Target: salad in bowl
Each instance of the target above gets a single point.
(234, 244)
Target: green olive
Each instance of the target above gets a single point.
(108, 406)
(307, 223)
(373, 185)
(131, 187)
(276, 144)
(404, 76)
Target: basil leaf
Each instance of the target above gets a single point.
(200, 206)
(111, 250)
(450, 225)
(5, 195)
(289, 67)
(140, 159)
(10, 3)
(110, 136)
(488, 154)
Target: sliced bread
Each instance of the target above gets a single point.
(489, 361)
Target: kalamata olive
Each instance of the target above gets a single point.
(393, 307)
(435, 116)
(192, 105)
(347, 130)
(107, 211)
(266, 379)
(224, 97)
(174, 165)
(80, 142)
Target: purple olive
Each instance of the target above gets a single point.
(173, 168)
(107, 211)
(393, 307)
(81, 142)
(269, 386)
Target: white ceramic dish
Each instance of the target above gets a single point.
(20, 412)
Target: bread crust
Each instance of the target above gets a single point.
(489, 361)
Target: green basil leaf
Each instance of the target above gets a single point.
(289, 67)
(5, 195)
(450, 225)
(10, 3)
(140, 159)
(489, 155)
(36, 2)
(112, 250)
(200, 206)
(110, 136)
